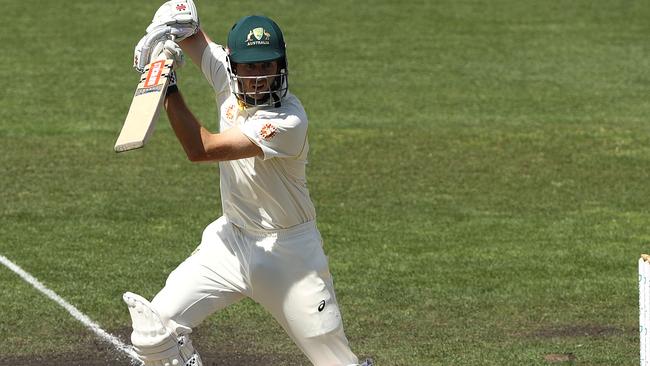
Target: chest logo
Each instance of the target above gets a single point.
(268, 131)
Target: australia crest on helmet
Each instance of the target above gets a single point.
(258, 36)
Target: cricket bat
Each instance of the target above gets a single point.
(145, 106)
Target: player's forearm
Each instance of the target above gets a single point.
(195, 45)
(202, 145)
(188, 129)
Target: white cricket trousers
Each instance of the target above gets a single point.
(285, 271)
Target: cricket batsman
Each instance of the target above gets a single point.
(266, 245)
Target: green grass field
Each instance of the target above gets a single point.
(480, 171)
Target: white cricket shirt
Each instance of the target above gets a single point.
(269, 192)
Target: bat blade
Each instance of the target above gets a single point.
(145, 106)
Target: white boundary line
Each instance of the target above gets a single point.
(94, 327)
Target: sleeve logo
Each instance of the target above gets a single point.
(268, 131)
(230, 113)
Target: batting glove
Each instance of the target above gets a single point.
(180, 15)
(171, 50)
(143, 50)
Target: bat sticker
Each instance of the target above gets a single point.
(155, 71)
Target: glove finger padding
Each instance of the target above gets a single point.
(181, 15)
(137, 55)
(142, 55)
(171, 51)
(174, 20)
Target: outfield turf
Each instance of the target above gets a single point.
(480, 170)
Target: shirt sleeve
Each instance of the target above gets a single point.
(278, 137)
(213, 65)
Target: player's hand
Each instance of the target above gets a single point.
(171, 50)
(179, 15)
(137, 56)
(143, 50)
(175, 20)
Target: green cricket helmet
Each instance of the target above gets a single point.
(255, 39)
